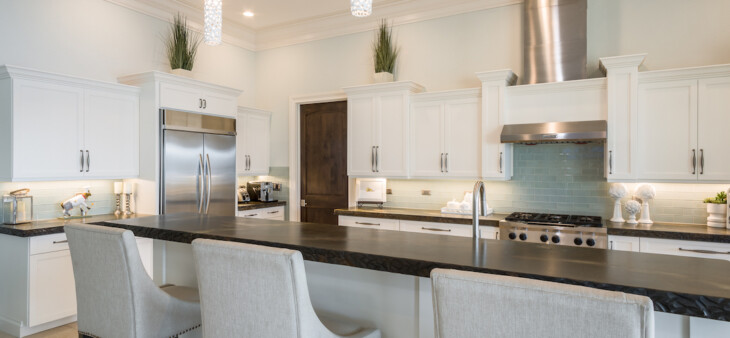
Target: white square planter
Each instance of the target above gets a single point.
(717, 214)
(383, 77)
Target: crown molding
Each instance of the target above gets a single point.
(409, 86)
(595, 84)
(692, 73)
(155, 76)
(15, 72)
(624, 61)
(317, 28)
(506, 76)
(458, 94)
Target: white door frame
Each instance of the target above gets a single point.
(295, 141)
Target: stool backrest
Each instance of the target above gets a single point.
(469, 304)
(253, 291)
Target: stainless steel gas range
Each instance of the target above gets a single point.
(553, 229)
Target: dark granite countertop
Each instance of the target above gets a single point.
(681, 285)
(242, 206)
(420, 215)
(687, 232)
(54, 226)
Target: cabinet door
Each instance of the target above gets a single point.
(713, 121)
(623, 243)
(668, 130)
(427, 153)
(462, 135)
(52, 293)
(241, 155)
(111, 127)
(488, 232)
(47, 131)
(257, 143)
(392, 134)
(180, 97)
(360, 130)
(219, 104)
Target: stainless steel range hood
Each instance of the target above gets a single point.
(555, 132)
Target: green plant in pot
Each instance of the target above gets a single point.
(717, 210)
(182, 46)
(385, 53)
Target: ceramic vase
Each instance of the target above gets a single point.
(617, 216)
(716, 215)
(383, 77)
(645, 215)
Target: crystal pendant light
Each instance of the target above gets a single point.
(213, 21)
(361, 8)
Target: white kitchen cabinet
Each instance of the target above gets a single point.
(369, 222)
(686, 248)
(623, 243)
(496, 156)
(448, 229)
(52, 293)
(377, 129)
(59, 128)
(188, 95)
(488, 232)
(712, 124)
(460, 230)
(446, 134)
(275, 213)
(253, 128)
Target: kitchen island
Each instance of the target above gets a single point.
(391, 268)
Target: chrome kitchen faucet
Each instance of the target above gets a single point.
(479, 192)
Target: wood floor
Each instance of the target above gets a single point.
(66, 331)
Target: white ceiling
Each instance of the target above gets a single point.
(280, 23)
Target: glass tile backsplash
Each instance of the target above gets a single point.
(557, 178)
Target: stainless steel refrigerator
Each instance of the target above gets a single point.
(198, 164)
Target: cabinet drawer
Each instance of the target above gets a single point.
(685, 248)
(436, 228)
(368, 222)
(273, 213)
(48, 243)
(256, 213)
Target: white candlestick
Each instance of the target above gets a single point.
(128, 187)
(617, 217)
(117, 187)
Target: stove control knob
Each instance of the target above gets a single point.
(591, 242)
(544, 238)
(512, 235)
(578, 241)
(523, 236)
(556, 239)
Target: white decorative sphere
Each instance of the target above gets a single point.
(645, 192)
(632, 207)
(617, 190)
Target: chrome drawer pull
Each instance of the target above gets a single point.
(711, 252)
(251, 215)
(274, 212)
(436, 229)
(59, 242)
(365, 223)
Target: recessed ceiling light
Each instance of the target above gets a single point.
(248, 14)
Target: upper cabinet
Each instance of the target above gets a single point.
(378, 129)
(253, 128)
(682, 117)
(496, 156)
(445, 134)
(54, 127)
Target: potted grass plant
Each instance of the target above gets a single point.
(182, 46)
(385, 54)
(717, 210)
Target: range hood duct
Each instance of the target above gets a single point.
(555, 132)
(554, 40)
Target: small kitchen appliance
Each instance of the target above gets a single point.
(555, 229)
(17, 207)
(243, 194)
(261, 191)
(371, 191)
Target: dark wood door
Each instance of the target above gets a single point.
(324, 161)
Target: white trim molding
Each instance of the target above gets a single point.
(294, 142)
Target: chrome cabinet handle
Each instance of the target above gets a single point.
(205, 103)
(702, 161)
(210, 182)
(377, 159)
(201, 183)
(200, 103)
(694, 161)
(711, 252)
(366, 223)
(274, 212)
(60, 242)
(372, 159)
(252, 215)
(610, 162)
(88, 161)
(442, 162)
(446, 162)
(436, 229)
(500, 162)
(610, 245)
(82, 161)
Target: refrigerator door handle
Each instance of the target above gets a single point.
(201, 184)
(210, 181)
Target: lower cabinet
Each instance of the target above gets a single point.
(686, 248)
(275, 213)
(623, 243)
(449, 229)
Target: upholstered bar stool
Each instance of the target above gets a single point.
(469, 304)
(257, 291)
(116, 297)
